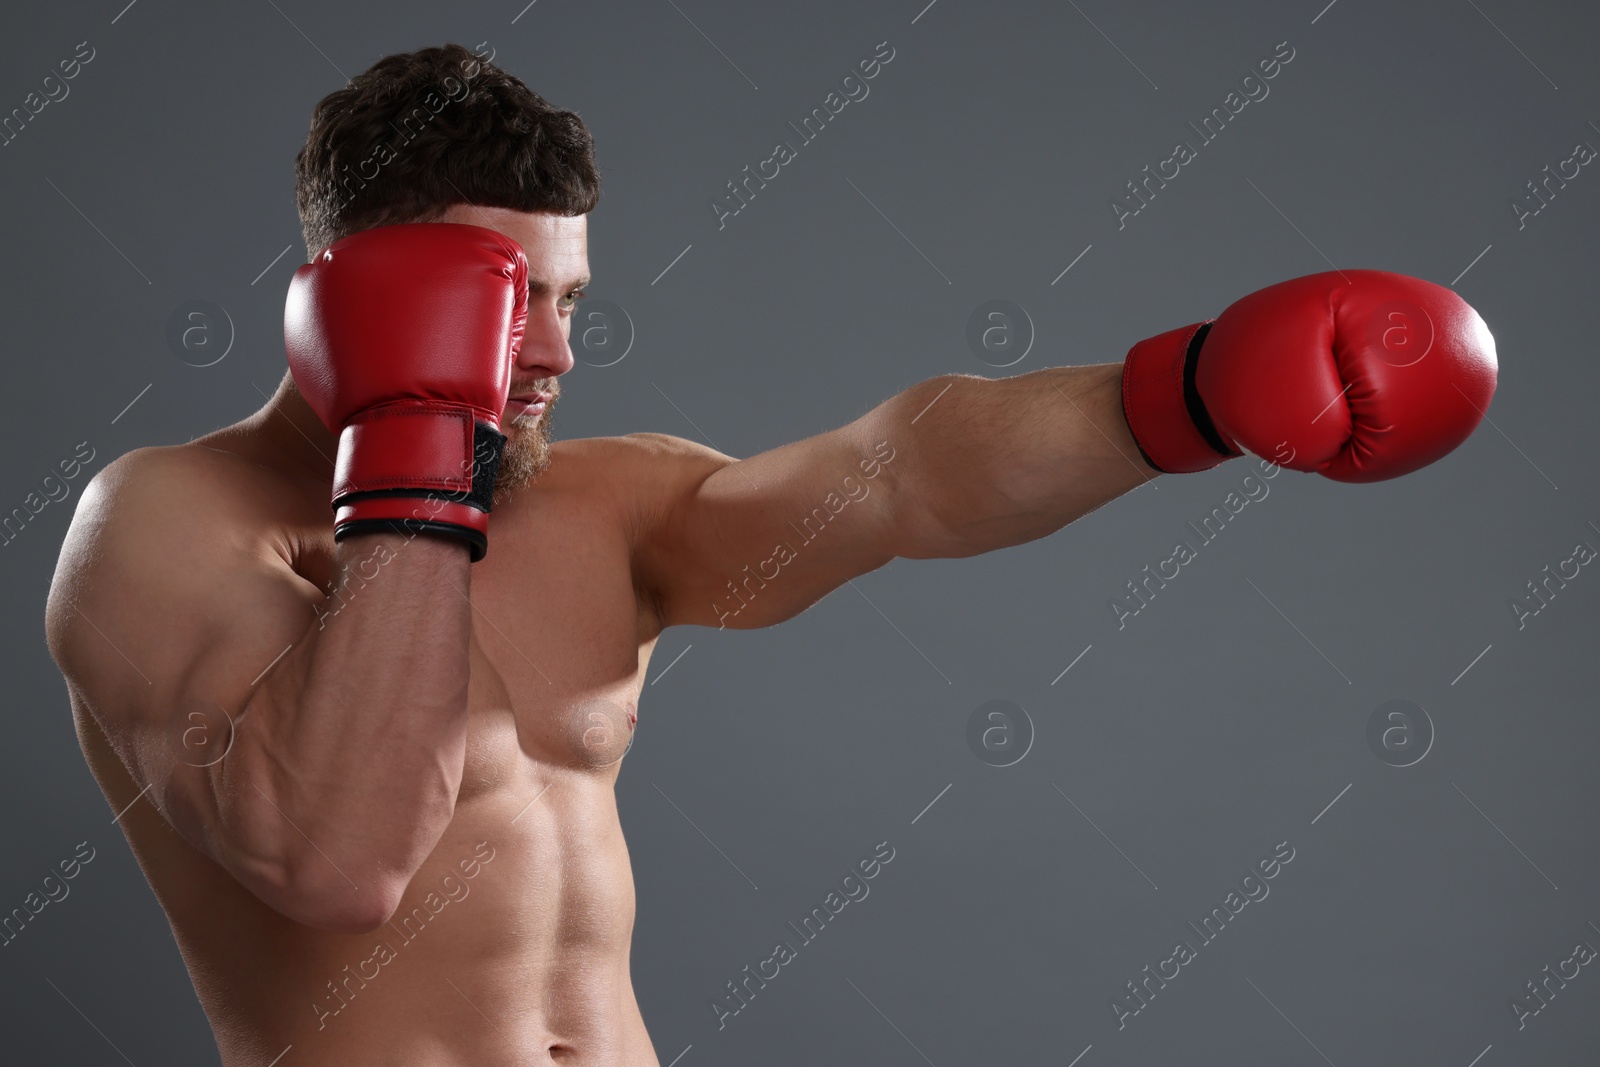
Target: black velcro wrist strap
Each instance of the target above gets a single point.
(1191, 396)
(477, 544)
(488, 447)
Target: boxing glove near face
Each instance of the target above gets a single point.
(1359, 375)
(402, 338)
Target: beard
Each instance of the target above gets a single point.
(527, 451)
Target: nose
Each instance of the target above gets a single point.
(545, 352)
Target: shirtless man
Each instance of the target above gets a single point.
(329, 738)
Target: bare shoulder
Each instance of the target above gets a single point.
(148, 492)
(160, 538)
(121, 497)
(138, 487)
(642, 453)
(647, 480)
(645, 474)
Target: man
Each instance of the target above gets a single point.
(329, 738)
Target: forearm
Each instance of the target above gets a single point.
(990, 463)
(345, 767)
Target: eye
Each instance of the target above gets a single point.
(568, 302)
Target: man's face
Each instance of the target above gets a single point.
(557, 247)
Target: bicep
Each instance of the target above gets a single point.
(163, 624)
(749, 543)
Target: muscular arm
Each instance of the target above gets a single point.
(344, 758)
(954, 466)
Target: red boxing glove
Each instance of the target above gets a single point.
(401, 338)
(1359, 375)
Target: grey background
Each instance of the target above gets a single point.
(1222, 720)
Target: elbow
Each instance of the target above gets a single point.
(932, 497)
(325, 862)
(350, 890)
(352, 912)
(358, 916)
(316, 895)
(927, 523)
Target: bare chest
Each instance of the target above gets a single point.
(558, 651)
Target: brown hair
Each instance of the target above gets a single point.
(419, 131)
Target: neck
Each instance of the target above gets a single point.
(292, 434)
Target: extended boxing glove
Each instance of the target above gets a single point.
(402, 338)
(1359, 375)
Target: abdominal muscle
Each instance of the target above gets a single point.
(510, 946)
